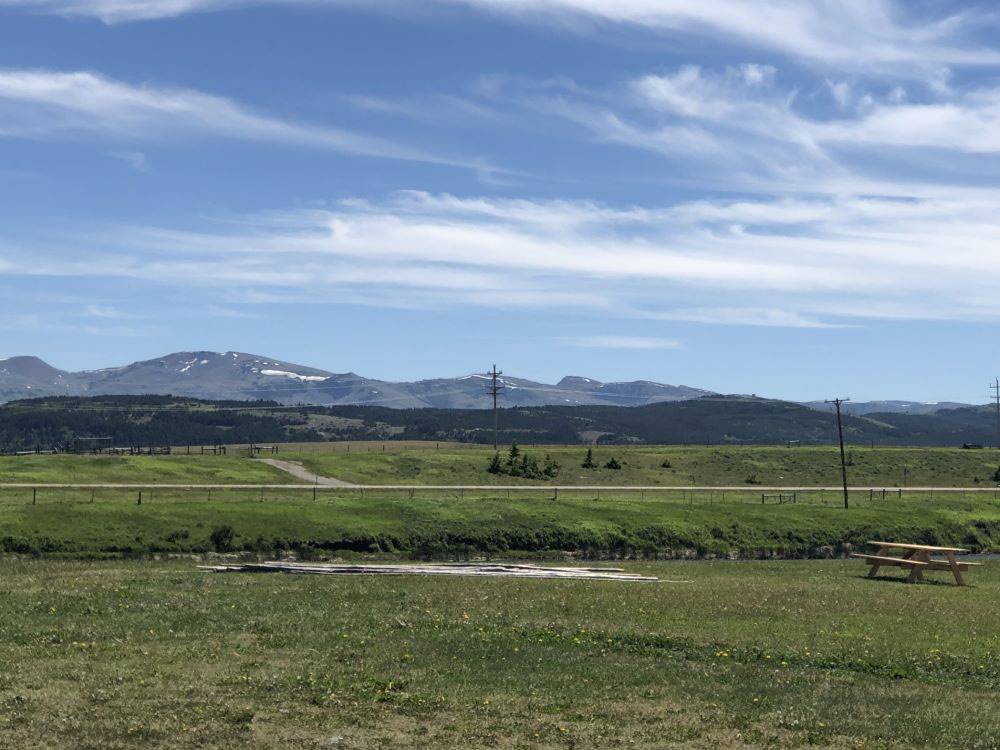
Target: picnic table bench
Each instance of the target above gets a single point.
(917, 558)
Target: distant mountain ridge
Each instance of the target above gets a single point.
(242, 376)
(861, 408)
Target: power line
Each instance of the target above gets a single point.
(996, 398)
(495, 388)
(840, 433)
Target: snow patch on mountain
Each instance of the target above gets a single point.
(293, 375)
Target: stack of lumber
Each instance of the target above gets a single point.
(512, 570)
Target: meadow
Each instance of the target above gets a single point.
(753, 654)
(371, 463)
(413, 462)
(174, 469)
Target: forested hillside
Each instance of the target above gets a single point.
(62, 422)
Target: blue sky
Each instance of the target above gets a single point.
(797, 199)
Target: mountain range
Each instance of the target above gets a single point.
(250, 377)
(241, 376)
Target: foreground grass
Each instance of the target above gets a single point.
(438, 523)
(114, 655)
(175, 469)
(688, 465)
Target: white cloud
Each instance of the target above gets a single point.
(817, 262)
(723, 130)
(969, 122)
(135, 159)
(856, 33)
(106, 312)
(745, 316)
(623, 342)
(43, 103)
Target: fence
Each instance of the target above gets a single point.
(144, 494)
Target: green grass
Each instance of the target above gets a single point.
(453, 523)
(422, 463)
(176, 469)
(689, 465)
(791, 654)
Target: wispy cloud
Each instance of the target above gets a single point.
(770, 317)
(807, 263)
(854, 35)
(45, 104)
(135, 159)
(106, 312)
(623, 342)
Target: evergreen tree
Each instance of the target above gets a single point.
(612, 464)
(513, 454)
(495, 466)
(588, 462)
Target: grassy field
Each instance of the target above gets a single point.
(688, 465)
(175, 469)
(426, 463)
(453, 523)
(776, 654)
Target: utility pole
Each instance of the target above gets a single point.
(996, 399)
(494, 389)
(840, 433)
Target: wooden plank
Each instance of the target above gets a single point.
(883, 560)
(928, 547)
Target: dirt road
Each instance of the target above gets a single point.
(301, 472)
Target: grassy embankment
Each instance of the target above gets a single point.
(688, 465)
(441, 523)
(451, 523)
(157, 655)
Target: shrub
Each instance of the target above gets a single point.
(613, 464)
(666, 464)
(495, 466)
(222, 538)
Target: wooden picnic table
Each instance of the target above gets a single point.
(917, 558)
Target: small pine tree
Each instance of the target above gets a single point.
(551, 468)
(513, 453)
(613, 464)
(996, 475)
(666, 464)
(495, 466)
(588, 462)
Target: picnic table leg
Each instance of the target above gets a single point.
(953, 564)
(917, 574)
(875, 565)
